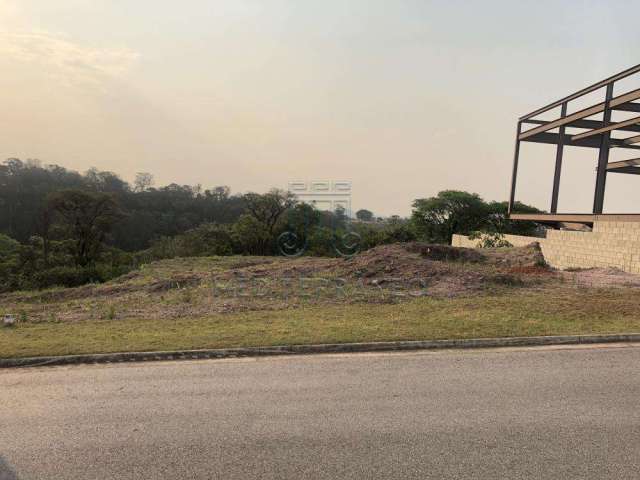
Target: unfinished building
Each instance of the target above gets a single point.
(613, 239)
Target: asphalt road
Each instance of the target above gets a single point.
(569, 413)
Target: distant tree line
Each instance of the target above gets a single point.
(60, 227)
(147, 212)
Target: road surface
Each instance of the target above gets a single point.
(569, 413)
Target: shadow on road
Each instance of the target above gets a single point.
(5, 471)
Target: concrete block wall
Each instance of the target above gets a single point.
(515, 240)
(610, 244)
(521, 240)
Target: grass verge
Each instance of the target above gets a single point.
(564, 311)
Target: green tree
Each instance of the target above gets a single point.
(498, 221)
(267, 208)
(364, 215)
(437, 218)
(301, 220)
(88, 218)
(398, 229)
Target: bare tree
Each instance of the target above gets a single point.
(144, 181)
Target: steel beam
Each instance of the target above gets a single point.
(555, 218)
(628, 170)
(608, 128)
(623, 163)
(587, 112)
(628, 107)
(632, 140)
(591, 142)
(587, 124)
(625, 166)
(575, 217)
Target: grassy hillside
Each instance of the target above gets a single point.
(392, 292)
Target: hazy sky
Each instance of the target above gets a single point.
(403, 98)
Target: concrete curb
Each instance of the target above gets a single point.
(321, 348)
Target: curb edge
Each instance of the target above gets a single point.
(120, 357)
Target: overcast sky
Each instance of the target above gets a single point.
(403, 98)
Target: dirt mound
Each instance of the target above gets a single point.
(445, 252)
(444, 270)
(421, 258)
(440, 269)
(396, 260)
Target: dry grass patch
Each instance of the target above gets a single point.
(524, 313)
(393, 292)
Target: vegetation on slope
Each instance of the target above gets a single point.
(400, 291)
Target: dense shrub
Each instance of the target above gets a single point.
(321, 242)
(66, 277)
(9, 260)
(8, 247)
(206, 240)
(250, 237)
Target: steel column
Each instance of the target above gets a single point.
(603, 157)
(514, 175)
(558, 171)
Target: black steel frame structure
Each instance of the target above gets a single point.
(594, 134)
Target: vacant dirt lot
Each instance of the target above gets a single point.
(394, 292)
(196, 287)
